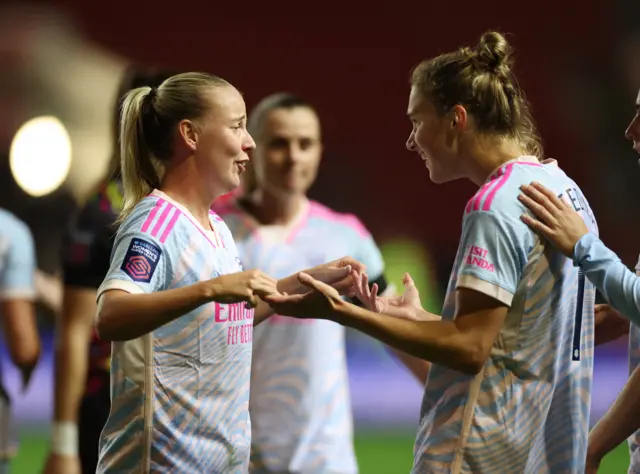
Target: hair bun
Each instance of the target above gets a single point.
(493, 52)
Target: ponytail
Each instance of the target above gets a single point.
(139, 172)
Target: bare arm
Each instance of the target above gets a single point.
(463, 344)
(622, 419)
(73, 333)
(21, 334)
(125, 316)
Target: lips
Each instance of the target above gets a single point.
(242, 165)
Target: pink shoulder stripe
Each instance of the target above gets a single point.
(169, 216)
(152, 215)
(349, 220)
(501, 182)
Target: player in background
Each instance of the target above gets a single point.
(17, 310)
(81, 384)
(173, 300)
(300, 406)
(509, 387)
(564, 227)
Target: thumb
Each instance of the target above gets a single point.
(408, 281)
(308, 281)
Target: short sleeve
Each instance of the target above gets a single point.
(493, 255)
(17, 271)
(139, 264)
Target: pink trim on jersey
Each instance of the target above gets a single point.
(504, 174)
(152, 215)
(169, 228)
(501, 182)
(350, 220)
(179, 209)
(474, 202)
(161, 220)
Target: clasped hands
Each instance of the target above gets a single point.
(317, 293)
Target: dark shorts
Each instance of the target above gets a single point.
(94, 411)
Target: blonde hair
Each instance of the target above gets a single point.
(148, 120)
(481, 79)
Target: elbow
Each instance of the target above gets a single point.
(105, 329)
(472, 359)
(26, 355)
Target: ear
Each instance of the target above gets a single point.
(458, 117)
(188, 133)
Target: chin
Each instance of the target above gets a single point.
(438, 177)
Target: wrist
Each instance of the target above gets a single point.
(289, 285)
(342, 311)
(64, 438)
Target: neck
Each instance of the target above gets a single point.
(187, 187)
(276, 209)
(488, 154)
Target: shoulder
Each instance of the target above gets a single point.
(13, 230)
(153, 217)
(345, 222)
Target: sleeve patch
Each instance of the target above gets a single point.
(141, 260)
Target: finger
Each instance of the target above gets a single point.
(364, 285)
(374, 291)
(536, 225)
(344, 286)
(332, 275)
(550, 195)
(408, 281)
(252, 302)
(353, 263)
(310, 282)
(539, 210)
(277, 298)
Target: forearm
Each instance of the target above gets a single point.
(21, 332)
(71, 368)
(622, 419)
(611, 277)
(261, 313)
(126, 316)
(435, 341)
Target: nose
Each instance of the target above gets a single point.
(411, 142)
(633, 130)
(294, 153)
(248, 143)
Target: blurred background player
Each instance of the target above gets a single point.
(300, 405)
(17, 310)
(563, 226)
(173, 300)
(81, 384)
(517, 328)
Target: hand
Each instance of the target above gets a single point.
(319, 303)
(57, 464)
(336, 273)
(405, 306)
(557, 221)
(243, 286)
(609, 324)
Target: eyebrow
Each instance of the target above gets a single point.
(242, 118)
